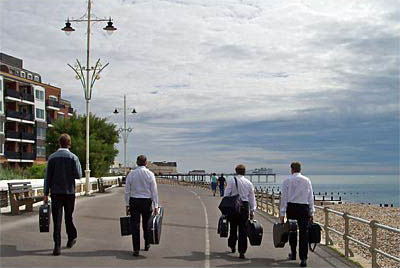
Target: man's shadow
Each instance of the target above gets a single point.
(234, 261)
(10, 251)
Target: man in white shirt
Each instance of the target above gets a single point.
(140, 193)
(246, 191)
(297, 202)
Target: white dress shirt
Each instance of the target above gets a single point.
(141, 183)
(246, 190)
(297, 189)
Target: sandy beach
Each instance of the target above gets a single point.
(387, 241)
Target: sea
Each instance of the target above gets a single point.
(367, 189)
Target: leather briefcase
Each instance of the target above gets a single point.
(223, 226)
(280, 236)
(254, 232)
(44, 218)
(125, 224)
(154, 227)
(314, 235)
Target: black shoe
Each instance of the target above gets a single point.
(71, 243)
(303, 263)
(241, 256)
(233, 249)
(135, 253)
(292, 256)
(146, 248)
(56, 251)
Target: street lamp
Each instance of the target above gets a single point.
(87, 81)
(125, 131)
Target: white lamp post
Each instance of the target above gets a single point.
(125, 131)
(88, 82)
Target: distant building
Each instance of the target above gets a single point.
(197, 172)
(262, 170)
(162, 167)
(27, 108)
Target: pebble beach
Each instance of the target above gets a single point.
(388, 242)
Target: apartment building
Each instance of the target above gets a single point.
(28, 108)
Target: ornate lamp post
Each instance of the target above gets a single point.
(88, 81)
(125, 131)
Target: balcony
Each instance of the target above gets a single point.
(10, 134)
(50, 120)
(28, 117)
(13, 114)
(28, 97)
(12, 155)
(28, 136)
(52, 104)
(12, 93)
(28, 156)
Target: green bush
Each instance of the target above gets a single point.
(36, 171)
(7, 173)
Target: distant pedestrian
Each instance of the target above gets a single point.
(221, 184)
(63, 168)
(297, 203)
(214, 183)
(242, 186)
(140, 192)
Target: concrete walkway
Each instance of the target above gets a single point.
(189, 237)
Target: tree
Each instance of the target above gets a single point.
(103, 139)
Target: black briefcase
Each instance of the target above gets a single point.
(290, 226)
(223, 226)
(280, 236)
(314, 235)
(44, 218)
(154, 227)
(254, 232)
(125, 223)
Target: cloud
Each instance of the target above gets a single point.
(258, 82)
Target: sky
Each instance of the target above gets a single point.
(217, 83)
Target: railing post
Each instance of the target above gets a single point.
(262, 200)
(328, 241)
(347, 251)
(273, 204)
(374, 244)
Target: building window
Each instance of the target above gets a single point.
(23, 74)
(37, 78)
(41, 151)
(39, 113)
(61, 116)
(29, 76)
(1, 127)
(39, 94)
(2, 149)
(41, 133)
(54, 98)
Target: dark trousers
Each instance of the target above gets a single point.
(58, 202)
(299, 212)
(139, 206)
(221, 190)
(239, 222)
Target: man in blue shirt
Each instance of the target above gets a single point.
(297, 203)
(63, 168)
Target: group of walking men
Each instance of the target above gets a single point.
(141, 194)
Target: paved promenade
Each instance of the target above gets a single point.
(189, 237)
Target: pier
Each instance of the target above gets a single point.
(189, 237)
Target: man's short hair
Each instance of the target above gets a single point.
(141, 160)
(240, 169)
(296, 167)
(64, 140)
